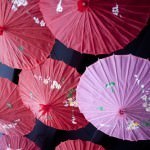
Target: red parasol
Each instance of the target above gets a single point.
(49, 91)
(15, 118)
(16, 143)
(78, 145)
(25, 41)
(95, 26)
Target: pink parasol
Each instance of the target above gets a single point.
(114, 95)
(49, 91)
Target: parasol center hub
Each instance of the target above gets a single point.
(46, 108)
(121, 112)
(1, 30)
(82, 5)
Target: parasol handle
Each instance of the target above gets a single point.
(45, 108)
(1, 30)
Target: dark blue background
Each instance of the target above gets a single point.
(46, 137)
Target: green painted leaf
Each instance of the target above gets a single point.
(70, 93)
(110, 84)
(101, 108)
(146, 123)
(21, 48)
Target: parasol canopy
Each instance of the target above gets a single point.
(95, 26)
(25, 41)
(78, 145)
(17, 143)
(114, 95)
(49, 90)
(15, 118)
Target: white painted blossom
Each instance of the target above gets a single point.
(45, 81)
(104, 125)
(42, 23)
(38, 77)
(147, 109)
(73, 120)
(17, 3)
(59, 7)
(115, 10)
(145, 94)
(137, 79)
(11, 125)
(55, 85)
(144, 97)
(66, 104)
(8, 148)
(135, 75)
(14, 8)
(142, 86)
(37, 21)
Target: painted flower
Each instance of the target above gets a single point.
(42, 23)
(18, 3)
(36, 20)
(46, 81)
(55, 85)
(132, 125)
(115, 10)
(147, 109)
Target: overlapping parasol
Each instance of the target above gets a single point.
(49, 91)
(114, 95)
(25, 41)
(95, 26)
(15, 118)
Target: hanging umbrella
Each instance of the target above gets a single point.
(16, 143)
(95, 26)
(78, 145)
(15, 118)
(25, 41)
(49, 91)
(114, 95)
